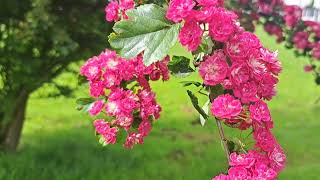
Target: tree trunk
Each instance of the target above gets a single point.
(12, 122)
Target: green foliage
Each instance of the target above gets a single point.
(146, 30)
(40, 38)
(195, 103)
(189, 83)
(180, 66)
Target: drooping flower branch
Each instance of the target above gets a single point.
(238, 74)
(287, 24)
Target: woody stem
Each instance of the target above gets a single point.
(223, 139)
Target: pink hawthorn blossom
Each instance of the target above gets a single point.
(308, 68)
(240, 73)
(278, 158)
(126, 4)
(96, 107)
(259, 112)
(222, 25)
(145, 128)
(214, 69)
(132, 139)
(274, 29)
(210, 2)
(316, 50)
(179, 9)
(191, 35)
(241, 160)
(238, 47)
(239, 173)
(97, 88)
(112, 11)
(293, 15)
(300, 39)
(247, 92)
(108, 133)
(226, 107)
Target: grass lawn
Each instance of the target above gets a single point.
(59, 143)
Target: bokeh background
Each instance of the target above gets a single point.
(58, 141)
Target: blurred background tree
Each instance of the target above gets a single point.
(38, 40)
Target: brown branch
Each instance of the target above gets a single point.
(223, 139)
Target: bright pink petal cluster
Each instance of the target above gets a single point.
(214, 69)
(222, 25)
(293, 15)
(191, 35)
(109, 76)
(108, 133)
(117, 10)
(179, 9)
(252, 165)
(301, 40)
(226, 107)
(96, 107)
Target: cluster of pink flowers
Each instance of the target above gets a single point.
(239, 64)
(248, 72)
(222, 23)
(117, 10)
(286, 23)
(252, 165)
(109, 77)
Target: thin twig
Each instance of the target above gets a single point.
(223, 139)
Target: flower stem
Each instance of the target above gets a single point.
(223, 139)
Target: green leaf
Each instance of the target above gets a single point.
(82, 80)
(205, 108)
(189, 83)
(195, 103)
(84, 104)
(180, 66)
(85, 101)
(146, 30)
(216, 91)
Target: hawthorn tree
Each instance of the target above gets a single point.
(238, 75)
(38, 40)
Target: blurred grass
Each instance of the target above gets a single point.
(59, 143)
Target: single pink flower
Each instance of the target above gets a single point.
(126, 4)
(92, 69)
(210, 2)
(316, 51)
(301, 40)
(179, 9)
(242, 160)
(191, 35)
(308, 68)
(240, 73)
(214, 69)
(278, 158)
(112, 11)
(293, 15)
(274, 29)
(108, 133)
(259, 112)
(247, 92)
(239, 46)
(145, 128)
(132, 139)
(96, 107)
(222, 25)
(226, 107)
(239, 173)
(221, 177)
(97, 88)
